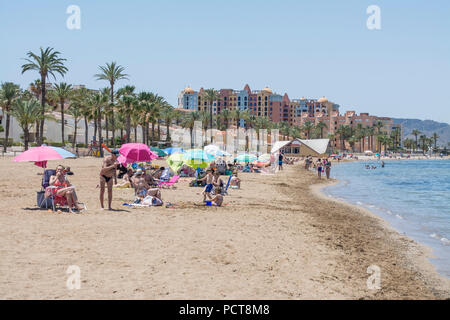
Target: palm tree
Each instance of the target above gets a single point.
(168, 115)
(80, 98)
(320, 126)
(415, 133)
(344, 133)
(189, 122)
(128, 98)
(435, 137)
(63, 92)
(47, 63)
(9, 92)
(307, 128)
(378, 125)
(423, 139)
(97, 103)
(211, 95)
(204, 117)
(26, 113)
(112, 72)
(76, 111)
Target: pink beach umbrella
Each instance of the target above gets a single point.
(135, 152)
(42, 154)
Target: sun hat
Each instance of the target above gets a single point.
(139, 172)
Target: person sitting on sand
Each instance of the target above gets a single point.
(235, 181)
(165, 174)
(209, 184)
(142, 188)
(127, 180)
(217, 200)
(218, 183)
(63, 188)
(150, 180)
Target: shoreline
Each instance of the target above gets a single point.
(417, 254)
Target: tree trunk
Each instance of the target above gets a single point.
(143, 133)
(95, 129)
(75, 136)
(86, 128)
(159, 131)
(99, 128)
(153, 132)
(107, 132)
(37, 131)
(167, 131)
(112, 114)
(25, 137)
(128, 127)
(135, 134)
(8, 119)
(191, 130)
(210, 121)
(41, 130)
(62, 121)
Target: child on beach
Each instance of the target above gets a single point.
(209, 184)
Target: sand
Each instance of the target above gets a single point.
(276, 238)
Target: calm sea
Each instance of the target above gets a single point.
(413, 196)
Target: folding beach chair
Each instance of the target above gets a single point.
(225, 190)
(169, 183)
(42, 200)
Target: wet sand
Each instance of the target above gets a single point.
(276, 238)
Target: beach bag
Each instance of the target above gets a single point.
(43, 202)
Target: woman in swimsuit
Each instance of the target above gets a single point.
(63, 189)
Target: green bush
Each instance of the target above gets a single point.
(2, 141)
(17, 144)
(1, 128)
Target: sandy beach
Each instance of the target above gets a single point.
(276, 238)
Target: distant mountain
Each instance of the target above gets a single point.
(427, 127)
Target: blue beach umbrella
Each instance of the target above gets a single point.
(170, 151)
(198, 155)
(246, 157)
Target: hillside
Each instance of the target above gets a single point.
(427, 127)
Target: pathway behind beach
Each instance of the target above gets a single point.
(274, 239)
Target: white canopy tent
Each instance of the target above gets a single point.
(314, 147)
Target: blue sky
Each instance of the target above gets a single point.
(304, 48)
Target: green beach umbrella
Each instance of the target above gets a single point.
(158, 151)
(175, 161)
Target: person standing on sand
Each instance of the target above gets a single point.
(280, 161)
(319, 168)
(107, 173)
(328, 168)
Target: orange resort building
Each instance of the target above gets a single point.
(296, 112)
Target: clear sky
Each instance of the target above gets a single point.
(305, 48)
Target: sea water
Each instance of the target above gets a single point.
(412, 195)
